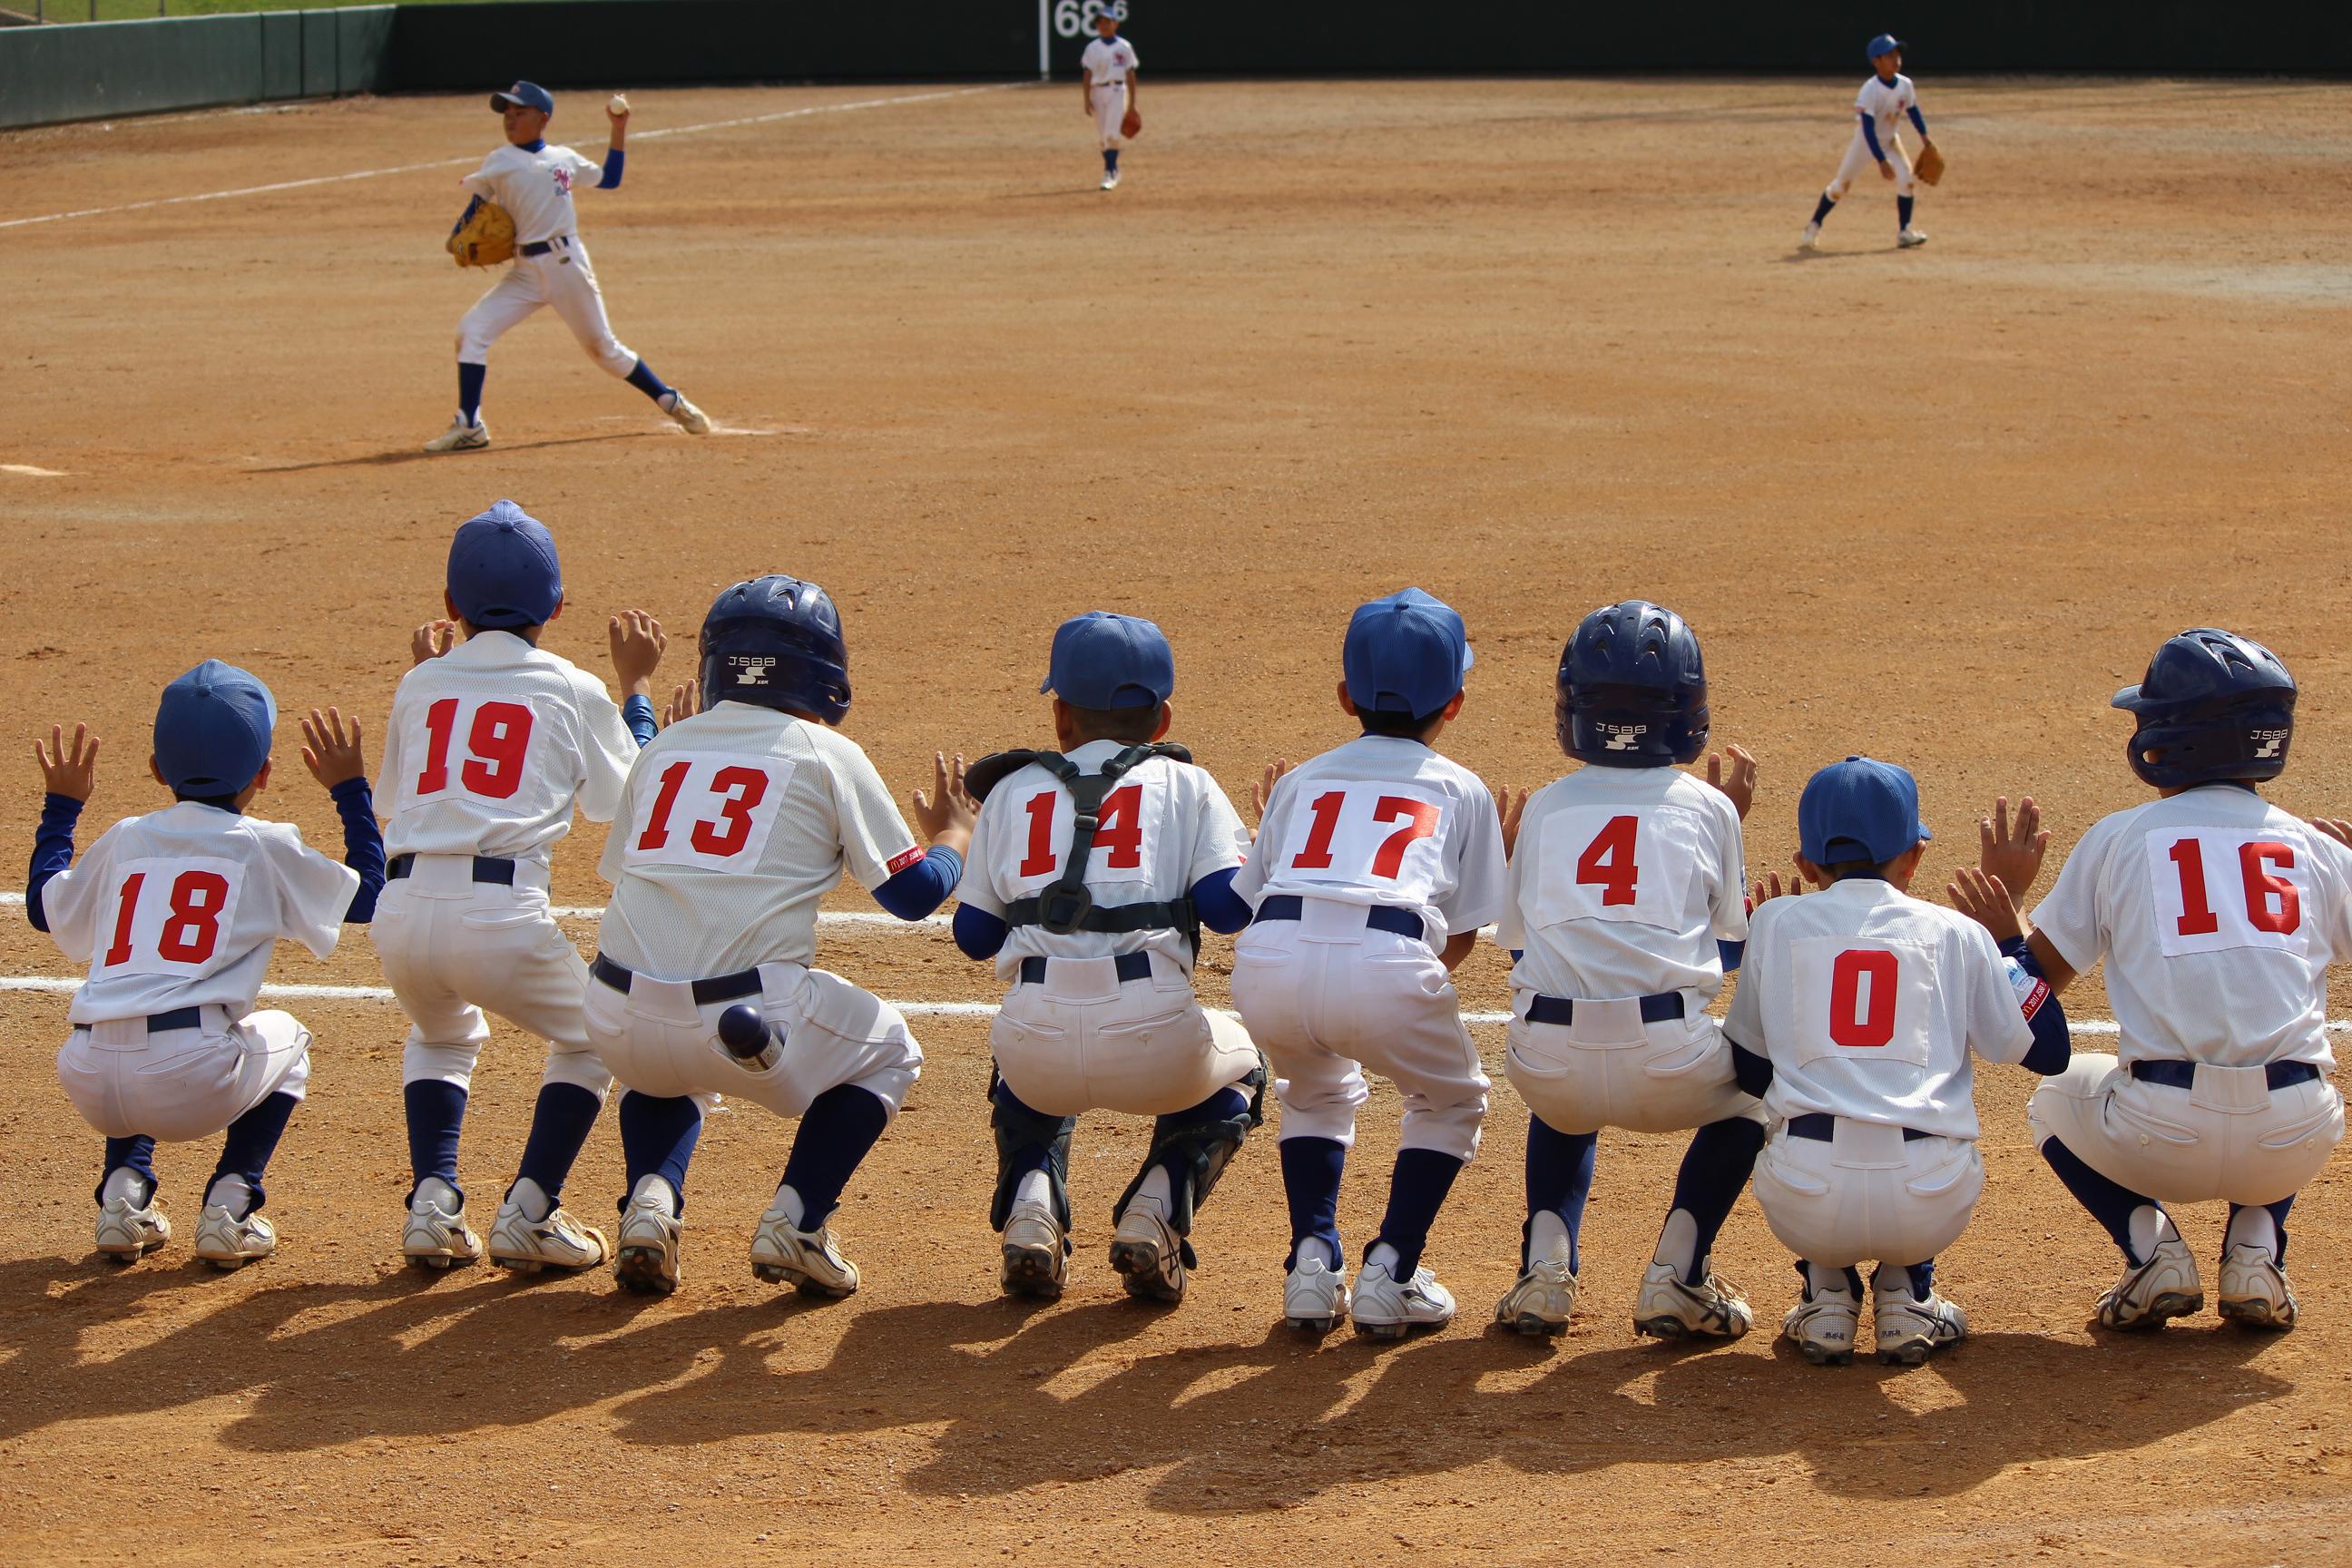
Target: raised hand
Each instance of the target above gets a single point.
(2012, 850)
(637, 645)
(2335, 827)
(69, 771)
(432, 639)
(1511, 808)
(1769, 887)
(684, 702)
(1263, 791)
(949, 808)
(328, 750)
(1985, 899)
(1739, 784)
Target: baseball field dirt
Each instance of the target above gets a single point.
(1533, 345)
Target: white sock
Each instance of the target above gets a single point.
(131, 1187)
(439, 1194)
(788, 1203)
(2251, 1228)
(1314, 1250)
(1036, 1187)
(1547, 1239)
(658, 1191)
(1155, 1194)
(1383, 1256)
(2150, 1228)
(528, 1196)
(1676, 1242)
(231, 1192)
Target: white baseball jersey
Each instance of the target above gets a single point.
(534, 187)
(2217, 915)
(489, 746)
(1887, 102)
(733, 824)
(1163, 827)
(1107, 61)
(1622, 882)
(180, 908)
(1868, 1001)
(1382, 821)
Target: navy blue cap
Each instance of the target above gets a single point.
(1105, 661)
(1859, 809)
(502, 570)
(1884, 44)
(527, 95)
(1405, 654)
(212, 729)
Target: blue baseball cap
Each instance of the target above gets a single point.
(212, 729)
(1105, 661)
(1405, 654)
(1884, 44)
(524, 94)
(502, 570)
(1859, 809)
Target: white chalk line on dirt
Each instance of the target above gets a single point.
(456, 163)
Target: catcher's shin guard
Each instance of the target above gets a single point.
(1196, 1146)
(1019, 1132)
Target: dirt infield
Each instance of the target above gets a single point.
(1532, 345)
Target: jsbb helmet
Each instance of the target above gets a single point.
(776, 641)
(2214, 706)
(1633, 691)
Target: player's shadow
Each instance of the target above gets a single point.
(394, 459)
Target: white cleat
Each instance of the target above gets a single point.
(1811, 238)
(1314, 1297)
(1148, 1255)
(1911, 238)
(1910, 1329)
(2165, 1286)
(1668, 1309)
(692, 419)
(1542, 1301)
(805, 1260)
(647, 1264)
(437, 1235)
(228, 1242)
(526, 1246)
(1385, 1308)
(461, 437)
(2254, 1293)
(127, 1232)
(1822, 1324)
(1111, 181)
(1036, 1256)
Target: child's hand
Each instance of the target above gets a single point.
(1885, 170)
(1740, 786)
(432, 639)
(1510, 807)
(684, 702)
(637, 644)
(2012, 851)
(330, 753)
(1985, 900)
(948, 810)
(72, 773)
(1769, 887)
(1263, 791)
(2335, 827)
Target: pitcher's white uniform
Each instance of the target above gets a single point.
(1884, 104)
(180, 908)
(1378, 824)
(1622, 882)
(2217, 915)
(1868, 1001)
(536, 187)
(1107, 62)
(488, 749)
(1083, 1040)
(734, 824)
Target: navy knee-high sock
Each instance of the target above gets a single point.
(560, 1125)
(841, 1127)
(658, 1138)
(1823, 211)
(437, 1115)
(1310, 1181)
(1715, 1171)
(135, 1155)
(1417, 1189)
(252, 1138)
(469, 391)
(2110, 1203)
(643, 379)
(2278, 1222)
(1559, 1181)
(1903, 210)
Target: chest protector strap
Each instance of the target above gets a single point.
(1066, 905)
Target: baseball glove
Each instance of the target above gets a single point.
(486, 238)
(1132, 126)
(1930, 166)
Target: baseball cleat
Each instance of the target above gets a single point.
(1811, 238)
(1911, 1329)
(1668, 1309)
(805, 1260)
(2254, 1293)
(647, 1264)
(127, 1232)
(2165, 1286)
(1148, 1255)
(460, 437)
(437, 1235)
(1036, 1256)
(526, 1246)
(1111, 181)
(228, 1242)
(1542, 1301)
(1822, 1324)
(1910, 238)
(1384, 1308)
(693, 419)
(1314, 1297)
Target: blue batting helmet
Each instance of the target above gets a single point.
(1633, 691)
(776, 641)
(2214, 706)
(1884, 44)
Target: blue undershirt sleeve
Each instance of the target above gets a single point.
(53, 851)
(465, 216)
(1919, 120)
(637, 713)
(1753, 1072)
(1730, 953)
(362, 846)
(923, 887)
(2053, 1042)
(616, 159)
(1221, 908)
(979, 933)
(1869, 134)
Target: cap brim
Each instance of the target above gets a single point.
(2127, 699)
(503, 102)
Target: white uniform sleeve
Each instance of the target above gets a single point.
(1251, 881)
(1479, 887)
(2069, 916)
(1219, 840)
(1134, 61)
(1743, 1024)
(588, 166)
(1997, 1027)
(616, 859)
(2333, 862)
(70, 900)
(392, 766)
(483, 181)
(314, 893)
(607, 750)
(1730, 896)
(978, 887)
(875, 839)
(1862, 98)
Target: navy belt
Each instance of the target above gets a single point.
(487, 868)
(718, 988)
(1822, 1128)
(1130, 967)
(541, 246)
(177, 1018)
(1560, 1010)
(2176, 1074)
(1378, 917)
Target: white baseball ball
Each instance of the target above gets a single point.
(619, 104)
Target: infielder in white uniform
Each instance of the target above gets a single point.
(1106, 77)
(177, 912)
(534, 182)
(1880, 108)
(489, 747)
(735, 822)
(1376, 865)
(2216, 915)
(1097, 941)
(1857, 1010)
(1627, 903)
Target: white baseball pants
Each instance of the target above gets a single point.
(1858, 162)
(2229, 1136)
(454, 948)
(1609, 1068)
(1327, 996)
(1868, 1195)
(1110, 111)
(181, 1085)
(562, 279)
(1081, 1041)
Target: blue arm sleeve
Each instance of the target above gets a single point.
(616, 159)
(53, 851)
(1221, 908)
(466, 215)
(1753, 1072)
(637, 713)
(362, 846)
(1869, 134)
(2053, 1042)
(979, 933)
(1918, 120)
(922, 886)
(1730, 953)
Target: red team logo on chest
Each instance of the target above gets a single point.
(563, 179)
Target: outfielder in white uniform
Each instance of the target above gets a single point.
(1879, 109)
(734, 823)
(1106, 77)
(2216, 915)
(175, 913)
(1097, 941)
(534, 182)
(1857, 1010)
(1627, 903)
(1376, 865)
(490, 745)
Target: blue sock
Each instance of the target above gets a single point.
(1714, 1173)
(1310, 1181)
(437, 1113)
(1903, 210)
(1417, 1189)
(252, 1138)
(837, 1130)
(469, 391)
(136, 1154)
(560, 1125)
(643, 379)
(2110, 1203)
(2278, 1221)
(658, 1138)
(1822, 211)
(1110, 160)
(1559, 1179)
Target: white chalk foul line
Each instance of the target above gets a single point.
(456, 163)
